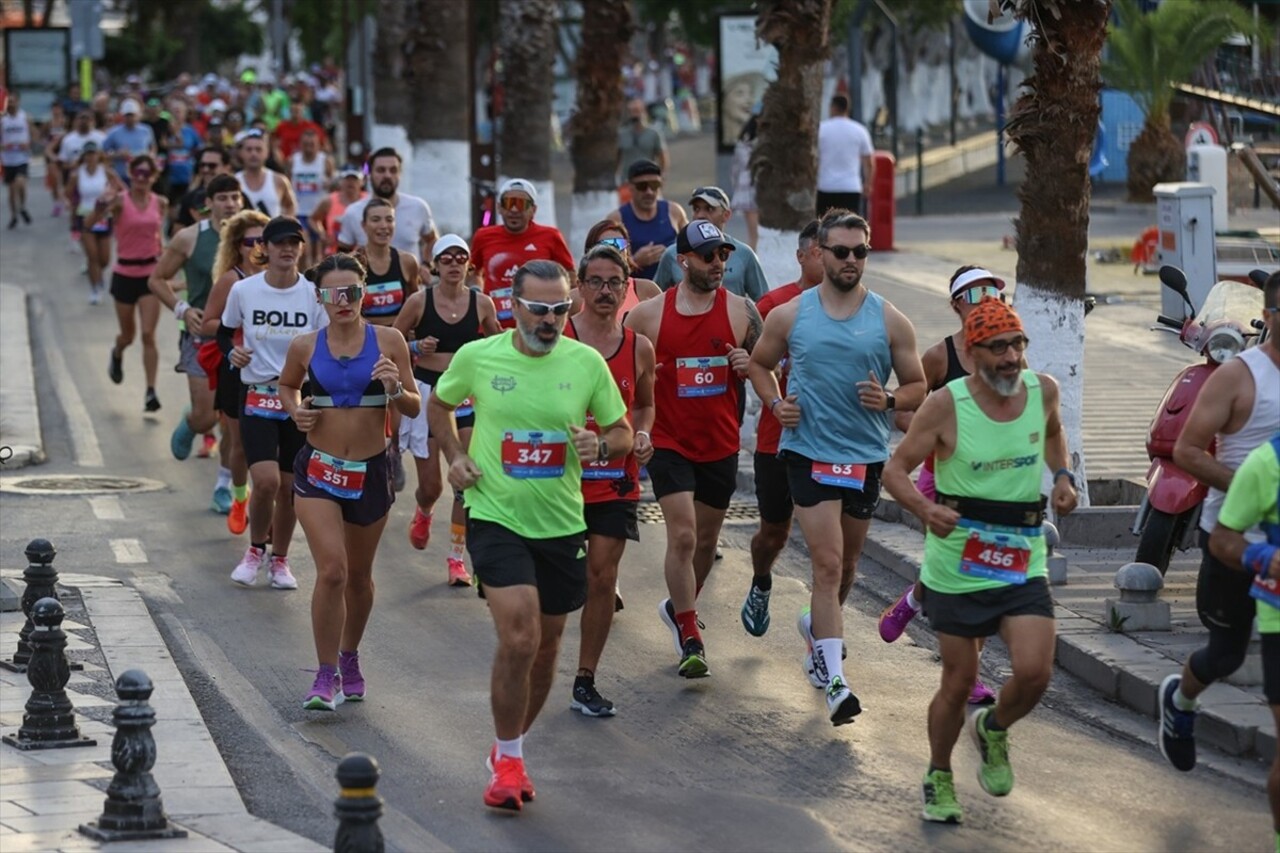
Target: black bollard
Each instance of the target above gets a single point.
(133, 809)
(42, 582)
(358, 806)
(49, 721)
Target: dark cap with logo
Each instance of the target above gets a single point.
(701, 236)
(283, 228)
(643, 167)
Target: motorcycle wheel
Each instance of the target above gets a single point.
(1160, 537)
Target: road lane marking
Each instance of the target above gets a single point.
(107, 508)
(84, 440)
(128, 551)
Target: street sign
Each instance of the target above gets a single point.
(86, 30)
(1201, 133)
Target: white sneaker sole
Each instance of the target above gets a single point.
(675, 629)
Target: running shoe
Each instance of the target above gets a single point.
(896, 617)
(506, 785)
(589, 701)
(526, 784)
(326, 692)
(238, 517)
(183, 436)
(458, 575)
(842, 705)
(281, 577)
(1177, 728)
(207, 446)
(115, 369)
(253, 561)
(420, 529)
(755, 611)
(352, 679)
(95, 294)
(804, 625)
(26, 217)
(693, 660)
(221, 499)
(151, 403)
(667, 613)
(981, 694)
(940, 805)
(617, 599)
(996, 774)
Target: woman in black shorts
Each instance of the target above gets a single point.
(341, 476)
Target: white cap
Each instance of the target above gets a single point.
(447, 242)
(518, 185)
(191, 91)
(973, 276)
(217, 105)
(130, 107)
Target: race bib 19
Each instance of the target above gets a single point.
(263, 401)
(383, 298)
(339, 477)
(846, 475)
(502, 302)
(1266, 591)
(702, 377)
(533, 455)
(994, 555)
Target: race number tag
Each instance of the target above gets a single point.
(996, 556)
(533, 455)
(466, 407)
(1266, 591)
(702, 377)
(263, 401)
(611, 469)
(383, 298)
(502, 302)
(846, 475)
(339, 477)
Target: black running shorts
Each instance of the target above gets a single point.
(557, 567)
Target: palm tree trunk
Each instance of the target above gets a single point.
(527, 43)
(1053, 124)
(606, 30)
(784, 164)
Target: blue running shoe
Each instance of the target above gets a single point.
(222, 500)
(183, 437)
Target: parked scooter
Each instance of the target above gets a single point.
(1222, 328)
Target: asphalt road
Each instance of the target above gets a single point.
(744, 760)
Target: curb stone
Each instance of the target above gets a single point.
(19, 410)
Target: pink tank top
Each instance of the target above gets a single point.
(138, 237)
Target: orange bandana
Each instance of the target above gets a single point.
(992, 317)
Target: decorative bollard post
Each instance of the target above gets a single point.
(358, 806)
(42, 582)
(1138, 609)
(133, 809)
(49, 721)
(1055, 563)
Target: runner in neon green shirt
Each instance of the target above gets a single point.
(532, 391)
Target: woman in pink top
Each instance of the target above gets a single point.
(138, 216)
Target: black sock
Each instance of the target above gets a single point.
(261, 546)
(764, 583)
(933, 769)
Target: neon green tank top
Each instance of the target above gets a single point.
(992, 461)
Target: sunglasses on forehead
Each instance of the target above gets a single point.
(619, 243)
(843, 252)
(542, 309)
(341, 295)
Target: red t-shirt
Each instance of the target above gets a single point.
(497, 253)
(768, 430)
(289, 135)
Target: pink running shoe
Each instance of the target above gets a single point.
(896, 617)
(458, 575)
(981, 694)
(281, 577)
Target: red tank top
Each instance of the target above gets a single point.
(631, 300)
(617, 479)
(696, 392)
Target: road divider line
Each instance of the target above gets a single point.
(107, 508)
(84, 439)
(128, 551)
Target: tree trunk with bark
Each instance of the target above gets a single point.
(784, 164)
(1156, 156)
(527, 45)
(606, 30)
(1053, 124)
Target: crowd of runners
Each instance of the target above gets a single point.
(328, 330)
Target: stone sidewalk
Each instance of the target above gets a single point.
(46, 794)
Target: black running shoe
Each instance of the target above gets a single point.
(693, 663)
(589, 701)
(1177, 728)
(152, 403)
(26, 217)
(115, 369)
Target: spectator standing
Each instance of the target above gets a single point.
(845, 164)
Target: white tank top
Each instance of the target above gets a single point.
(265, 198)
(90, 187)
(15, 138)
(308, 181)
(1263, 422)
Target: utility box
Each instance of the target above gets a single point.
(881, 203)
(1207, 164)
(1184, 216)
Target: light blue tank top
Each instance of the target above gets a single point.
(828, 359)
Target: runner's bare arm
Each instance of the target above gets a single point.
(392, 348)
(619, 437)
(175, 255)
(407, 320)
(912, 386)
(754, 326)
(929, 433)
(444, 429)
(412, 276)
(1056, 455)
(679, 218)
(292, 375)
(1210, 414)
(488, 316)
(643, 409)
(769, 351)
(645, 319)
(288, 202)
(216, 302)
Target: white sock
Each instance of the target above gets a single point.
(829, 651)
(1181, 702)
(224, 478)
(911, 600)
(512, 748)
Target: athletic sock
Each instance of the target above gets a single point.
(764, 583)
(240, 492)
(1181, 702)
(911, 600)
(261, 546)
(989, 722)
(933, 769)
(688, 622)
(224, 477)
(829, 651)
(275, 553)
(511, 748)
(457, 541)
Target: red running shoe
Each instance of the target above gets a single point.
(526, 784)
(420, 529)
(506, 786)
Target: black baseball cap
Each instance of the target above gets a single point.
(282, 228)
(701, 236)
(643, 167)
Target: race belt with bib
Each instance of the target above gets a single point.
(996, 552)
(263, 401)
(846, 475)
(383, 298)
(341, 478)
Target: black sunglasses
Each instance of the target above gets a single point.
(842, 252)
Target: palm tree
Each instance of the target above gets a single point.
(1149, 52)
(527, 45)
(784, 163)
(606, 29)
(1053, 125)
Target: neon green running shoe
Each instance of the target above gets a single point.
(940, 804)
(996, 774)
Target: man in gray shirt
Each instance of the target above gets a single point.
(742, 272)
(638, 141)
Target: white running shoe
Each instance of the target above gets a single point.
(251, 564)
(281, 577)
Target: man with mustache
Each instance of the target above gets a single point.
(991, 434)
(841, 340)
(415, 227)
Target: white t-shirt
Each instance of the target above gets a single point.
(413, 221)
(73, 143)
(271, 318)
(842, 143)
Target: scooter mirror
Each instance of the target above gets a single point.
(1174, 279)
(1258, 277)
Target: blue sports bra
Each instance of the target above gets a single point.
(346, 383)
